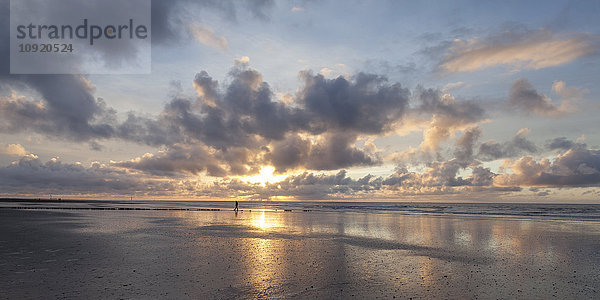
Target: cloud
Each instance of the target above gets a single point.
(67, 106)
(29, 175)
(575, 167)
(317, 130)
(366, 104)
(103, 57)
(234, 123)
(441, 177)
(569, 96)
(169, 17)
(330, 151)
(208, 37)
(242, 61)
(517, 49)
(335, 71)
(312, 132)
(526, 99)
(70, 111)
(452, 85)
(236, 127)
(164, 25)
(492, 150)
(13, 150)
(562, 143)
(169, 21)
(448, 115)
(321, 186)
(464, 152)
(578, 166)
(176, 161)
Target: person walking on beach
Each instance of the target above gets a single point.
(236, 206)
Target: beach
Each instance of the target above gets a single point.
(276, 254)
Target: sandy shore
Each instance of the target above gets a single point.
(257, 254)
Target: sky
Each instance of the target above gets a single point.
(467, 101)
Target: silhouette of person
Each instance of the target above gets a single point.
(236, 206)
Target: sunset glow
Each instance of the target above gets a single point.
(266, 175)
(272, 100)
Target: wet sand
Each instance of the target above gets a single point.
(277, 254)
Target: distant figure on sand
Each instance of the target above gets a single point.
(236, 206)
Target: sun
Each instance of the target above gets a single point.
(265, 176)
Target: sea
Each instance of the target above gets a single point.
(498, 210)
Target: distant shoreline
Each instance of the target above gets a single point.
(109, 208)
(573, 212)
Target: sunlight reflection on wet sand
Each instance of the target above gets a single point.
(277, 254)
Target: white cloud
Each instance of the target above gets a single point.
(335, 71)
(534, 50)
(13, 150)
(452, 85)
(207, 36)
(244, 60)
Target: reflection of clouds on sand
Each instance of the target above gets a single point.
(277, 254)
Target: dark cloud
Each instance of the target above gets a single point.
(330, 152)
(525, 98)
(519, 144)
(175, 161)
(368, 104)
(562, 143)
(95, 146)
(148, 130)
(166, 26)
(241, 115)
(578, 166)
(68, 109)
(230, 125)
(112, 56)
(464, 152)
(32, 176)
(291, 153)
(454, 112)
(236, 121)
(244, 115)
(321, 186)
(440, 174)
(481, 177)
(338, 152)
